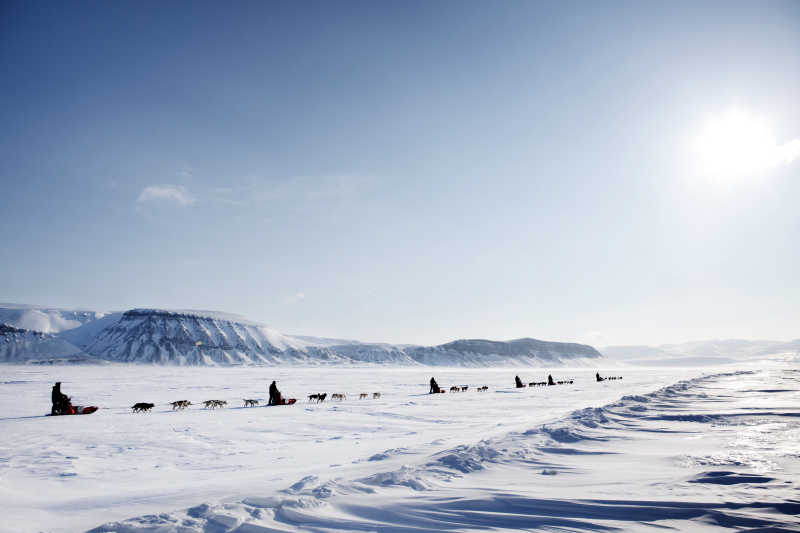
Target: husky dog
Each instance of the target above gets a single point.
(455, 389)
(142, 407)
(363, 396)
(180, 405)
(213, 404)
(338, 396)
(484, 388)
(376, 395)
(320, 397)
(250, 403)
(464, 388)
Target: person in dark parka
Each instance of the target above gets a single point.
(274, 394)
(61, 403)
(550, 380)
(597, 375)
(434, 387)
(518, 382)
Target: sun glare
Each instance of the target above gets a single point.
(738, 144)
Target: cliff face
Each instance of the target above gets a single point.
(519, 352)
(193, 338)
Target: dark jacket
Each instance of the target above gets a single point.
(60, 401)
(518, 382)
(550, 380)
(274, 394)
(434, 386)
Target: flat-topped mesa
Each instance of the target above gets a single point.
(190, 313)
(517, 347)
(193, 338)
(519, 352)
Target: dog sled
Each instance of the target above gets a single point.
(80, 410)
(284, 401)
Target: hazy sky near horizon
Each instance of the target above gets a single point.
(601, 172)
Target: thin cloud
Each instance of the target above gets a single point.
(299, 192)
(166, 193)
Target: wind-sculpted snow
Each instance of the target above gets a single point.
(606, 468)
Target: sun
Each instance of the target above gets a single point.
(734, 144)
(738, 144)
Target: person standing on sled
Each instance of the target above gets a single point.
(518, 382)
(274, 395)
(61, 403)
(597, 376)
(550, 380)
(434, 387)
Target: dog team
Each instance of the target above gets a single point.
(276, 398)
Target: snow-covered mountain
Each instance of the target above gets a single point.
(704, 352)
(210, 338)
(194, 338)
(519, 352)
(22, 345)
(45, 319)
(191, 337)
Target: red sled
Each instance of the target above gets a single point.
(81, 410)
(284, 401)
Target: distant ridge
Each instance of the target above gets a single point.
(699, 353)
(198, 337)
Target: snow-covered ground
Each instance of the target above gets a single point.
(717, 450)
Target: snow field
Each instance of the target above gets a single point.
(281, 465)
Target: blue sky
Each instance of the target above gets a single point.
(409, 171)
